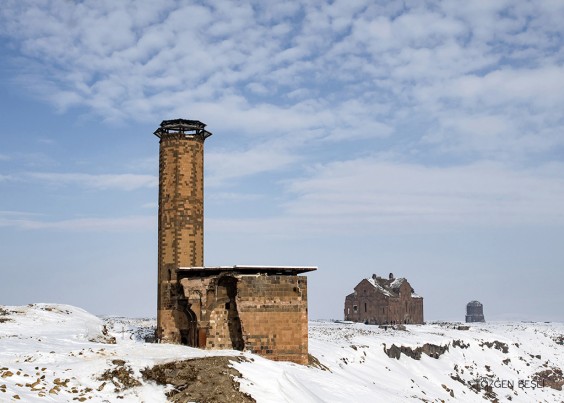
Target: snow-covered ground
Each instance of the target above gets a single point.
(59, 353)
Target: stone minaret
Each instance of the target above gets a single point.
(181, 217)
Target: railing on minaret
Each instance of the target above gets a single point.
(181, 217)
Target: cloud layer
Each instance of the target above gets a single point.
(485, 78)
(28, 221)
(100, 182)
(435, 111)
(372, 194)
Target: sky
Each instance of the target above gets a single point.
(424, 139)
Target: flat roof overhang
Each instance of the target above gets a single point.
(244, 269)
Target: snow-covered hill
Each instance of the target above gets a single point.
(59, 353)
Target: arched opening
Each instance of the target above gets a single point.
(187, 323)
(189, 334)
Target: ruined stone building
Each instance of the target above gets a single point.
(474, 312)
(380, 301)
(262, 309)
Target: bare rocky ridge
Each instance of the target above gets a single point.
(210, 379)
(3, 315)
(551, 378)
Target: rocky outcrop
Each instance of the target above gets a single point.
(432, 350)
(120, 375)
(460, 344)
(498, 345)
(552, 378)
(209, 379)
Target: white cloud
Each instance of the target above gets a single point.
(258, 88)
(342, 71)
(135, 223)
(371, 192)
(102, 181)
(11, 213)
(232, 197)
(374, 196)
(507, 113)
(223, 166)
(538, 88)
(33, 159)
(144, 164)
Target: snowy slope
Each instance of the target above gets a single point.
(63, 350)
(54, 343)
(362, 371)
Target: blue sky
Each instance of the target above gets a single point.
(420, 138)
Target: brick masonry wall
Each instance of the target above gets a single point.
(274, 319)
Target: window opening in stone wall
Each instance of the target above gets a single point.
(365, 307)
(355, 308)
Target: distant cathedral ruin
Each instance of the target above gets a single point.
(384, 301)
(262, 309)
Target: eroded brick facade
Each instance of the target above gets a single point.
(381, 301)
(259, 309)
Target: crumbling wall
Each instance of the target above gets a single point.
(263, 314)
(224, 325)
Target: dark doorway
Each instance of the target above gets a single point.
(233, 320)
(189, 333)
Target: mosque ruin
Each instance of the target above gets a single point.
(262, 309)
